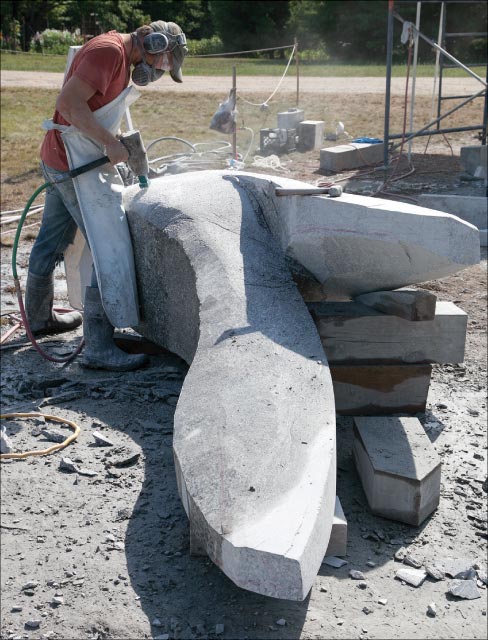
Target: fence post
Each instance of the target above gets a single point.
(297, 64)
(234, 132)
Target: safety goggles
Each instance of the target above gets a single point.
(160, 42)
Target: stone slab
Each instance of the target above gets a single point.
(338, 536)
(357, 244)
(354, 333)
(472, 209)
(310, 134)
(410, 304)
(350, 156)
(398, 466)
(364, 390)
(254, 428)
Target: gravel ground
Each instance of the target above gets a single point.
(255, 84)
(106, 556)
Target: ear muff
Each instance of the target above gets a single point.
(155, 43)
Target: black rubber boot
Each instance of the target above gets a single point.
(42, 319)
(100, 349)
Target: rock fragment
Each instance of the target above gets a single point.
(53, 436)
(281, 622)
(333, 561)
(435, 572)
(356, 575)
(466, 589)
(33, 624)
(101, 440)
(30, 585)
(66, 464)
(414, 577)
(6, 445)
(412, 561)
(219, 629)
(432, 610)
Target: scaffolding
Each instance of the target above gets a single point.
(443, 60)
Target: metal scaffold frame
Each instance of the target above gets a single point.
(433, 127)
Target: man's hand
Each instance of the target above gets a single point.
(117, 152)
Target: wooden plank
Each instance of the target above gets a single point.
(410, 304)
(362, 390)
(354, 333)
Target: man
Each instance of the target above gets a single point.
(99, 73)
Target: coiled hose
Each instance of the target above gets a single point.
(18, 290)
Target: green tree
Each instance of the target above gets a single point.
(193, 16)
(245, 24)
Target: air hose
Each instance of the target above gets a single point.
(18, 290)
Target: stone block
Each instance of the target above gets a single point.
(290, 119)
(410, 304)
(350, 156)
(364, 390)
(399, 468)
(357, 244)
(473, 157)
(472, 209)
(338, 535)
(353, 333)
(310, 134)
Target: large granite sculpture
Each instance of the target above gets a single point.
(254, 435)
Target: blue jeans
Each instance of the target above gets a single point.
(60, 219)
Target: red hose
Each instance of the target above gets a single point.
(30, 335)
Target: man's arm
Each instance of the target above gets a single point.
(72, 104)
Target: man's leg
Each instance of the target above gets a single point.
(57, 231)
(62, 214)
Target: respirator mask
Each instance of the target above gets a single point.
(159, 45)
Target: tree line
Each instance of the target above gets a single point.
(337, 30)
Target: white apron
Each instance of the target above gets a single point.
(99, 194)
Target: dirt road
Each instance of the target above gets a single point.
(258, 84)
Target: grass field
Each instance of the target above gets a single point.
(188, 116)
(244, 66)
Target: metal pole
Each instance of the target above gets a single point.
(389, 56)
(440, 59)
(446, 53)
(415, 55)
(448, 113)
(297, 64)
(234, 133)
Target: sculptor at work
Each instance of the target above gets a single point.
(99, 73)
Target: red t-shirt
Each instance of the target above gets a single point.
(103, 64)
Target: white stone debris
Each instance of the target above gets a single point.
(356, 575)
(432, 610)
(415, 577)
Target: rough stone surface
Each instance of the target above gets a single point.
(357, 244)
(338, 535)
(410, 304)
(354, 333)
(472, 209)
(466, 589)
(256, 464)
(399, 468)
(350, 156)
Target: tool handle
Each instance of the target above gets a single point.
(300, 191)
(87, 167)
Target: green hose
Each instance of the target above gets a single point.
(18, 290)
(21, 224)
